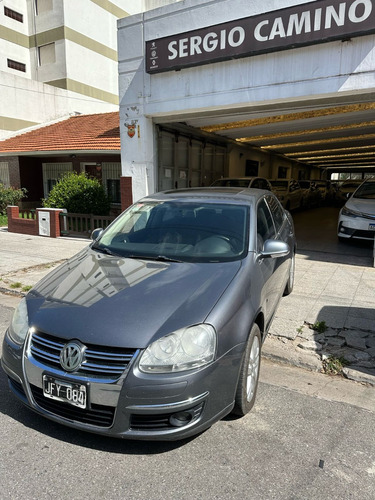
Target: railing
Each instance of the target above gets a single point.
(82, 224)
(27, 214)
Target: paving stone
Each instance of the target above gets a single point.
(337, 352)
(353, 355)
(331, 332)
(310, 345)
(336, 341)
(363, 364)
(353, 323)
(360, 375)
(356, 341)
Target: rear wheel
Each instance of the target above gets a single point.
(249, 374)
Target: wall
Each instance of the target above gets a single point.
(31, 226)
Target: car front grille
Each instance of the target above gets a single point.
(367, 216)
(99, 362)
(99, 415)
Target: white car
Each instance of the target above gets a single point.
(289, 192)
(357, 216)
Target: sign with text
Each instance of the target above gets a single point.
(300, 25)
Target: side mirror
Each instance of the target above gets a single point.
(274, 249)
(96, 233)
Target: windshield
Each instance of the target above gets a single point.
(179, 231)
(350, 185)
(365, 191)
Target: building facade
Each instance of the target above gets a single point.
(279, 88)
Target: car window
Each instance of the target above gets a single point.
(276, 211)
(256, 184)
(282, 185)
(265, 225)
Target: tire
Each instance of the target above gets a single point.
(290, 283)
(249, 374)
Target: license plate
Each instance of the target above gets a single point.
(371, 226)
(68, 392)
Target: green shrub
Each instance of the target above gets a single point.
(10, 196)
(78, 194)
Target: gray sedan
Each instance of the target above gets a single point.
(155, 330)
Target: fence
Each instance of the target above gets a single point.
(82, 224)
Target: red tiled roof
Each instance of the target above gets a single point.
(82, 132)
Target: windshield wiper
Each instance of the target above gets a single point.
(161, 258)
(105, 250)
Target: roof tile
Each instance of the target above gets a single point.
(97, 132)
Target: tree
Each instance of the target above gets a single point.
(78, 194)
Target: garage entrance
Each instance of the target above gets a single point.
(187, 160)
(225, 88)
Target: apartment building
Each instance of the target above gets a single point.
(59, 57)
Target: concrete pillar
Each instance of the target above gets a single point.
(138, 153)
(138, 145)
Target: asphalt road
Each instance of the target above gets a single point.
(293, 445)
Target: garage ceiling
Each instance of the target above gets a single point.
(332, 135)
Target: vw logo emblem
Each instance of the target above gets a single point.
(71, 356)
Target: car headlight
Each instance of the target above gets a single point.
(349, 213)
(20, 323)
(184, 349)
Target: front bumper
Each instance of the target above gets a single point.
(135, 405)
(356, 227)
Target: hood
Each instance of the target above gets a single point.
(365, 206)
(114, 301)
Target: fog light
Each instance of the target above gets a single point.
(181, 418)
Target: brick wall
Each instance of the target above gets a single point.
(31, 226)
(126, 191)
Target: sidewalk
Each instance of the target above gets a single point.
(335, 293)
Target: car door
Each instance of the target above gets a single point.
(283, 232)
(266, 230)
(295, 194)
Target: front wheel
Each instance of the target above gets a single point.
(249, 374)
(290, 283)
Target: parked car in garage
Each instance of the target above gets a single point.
(357, 217)
(311, 195)
(288, 191)
(154, 331)
(245, 182)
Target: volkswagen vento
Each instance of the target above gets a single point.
(154, 331)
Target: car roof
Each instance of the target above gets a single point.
(211, 194)
(240, 178)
